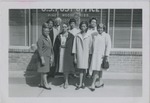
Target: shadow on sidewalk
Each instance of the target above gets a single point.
(58, 81)
(32, 77)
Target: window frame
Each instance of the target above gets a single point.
(27, 43)
(131, 31)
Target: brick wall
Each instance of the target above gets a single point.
(26, 60)
(130, 64)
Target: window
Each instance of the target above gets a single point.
(18, 22)
(111, 26)
(122, 28)
(125, 28)
(137, 29)
(123, 25)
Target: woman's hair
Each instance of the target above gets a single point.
(62, 25)
(65, 23)
(44, 25)
(83, 22)
(58, 18)
(92, 19)
(72, 20)
(101, 26)
(50, 20)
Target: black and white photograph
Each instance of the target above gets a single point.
(80, 52)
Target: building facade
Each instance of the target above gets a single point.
(123, 25)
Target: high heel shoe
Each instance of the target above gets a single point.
(40, 86)
(83, 86)
(48, 88)
(65, 86)
(102, 85)
(79, 87)
(92, 89)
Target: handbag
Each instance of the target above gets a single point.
(105, 63)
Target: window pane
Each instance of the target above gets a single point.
(111, 26)
(122, 28)
(33, 26)
(137, 29)
(17, 27)
(105, 17)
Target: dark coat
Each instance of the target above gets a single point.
(45, 49)
(68, 56)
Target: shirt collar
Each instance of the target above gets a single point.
(80, 35)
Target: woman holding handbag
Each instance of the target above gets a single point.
(100, 51)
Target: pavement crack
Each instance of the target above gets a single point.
(40, 93)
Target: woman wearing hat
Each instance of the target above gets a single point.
(101, 48)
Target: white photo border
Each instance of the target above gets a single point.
(4, 46)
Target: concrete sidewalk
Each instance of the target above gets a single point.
(23, 84)
(106, 75)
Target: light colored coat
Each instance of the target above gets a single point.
(82, 49)
(101, 47)
(91, 31)
(74, 31)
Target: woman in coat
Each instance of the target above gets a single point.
(63, 53)
(46, 56)
(100, 49)
(82, 50)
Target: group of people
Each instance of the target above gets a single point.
(68, 49)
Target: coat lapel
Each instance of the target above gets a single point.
(69, 36)
(47, 41)
(81, 39)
